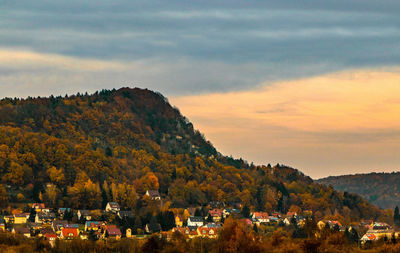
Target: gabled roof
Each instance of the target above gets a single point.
(84, 212)
(153, 193)
(93, 223)
(22, 230)
(51, 235)
(21, 215)
(74, 226)
(113, 204)
(260, 215)
(125, 214)
(67, 231)
(195, 219)
(38, 205)
(113, 231)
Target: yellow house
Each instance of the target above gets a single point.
(20, 218)
(178, 221)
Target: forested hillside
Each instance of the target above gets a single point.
(381, 189)
(84, 150)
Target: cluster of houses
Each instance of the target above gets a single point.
(54, 225)
(377, 231)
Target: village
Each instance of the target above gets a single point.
(111, 223)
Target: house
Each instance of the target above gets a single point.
(153, 194)
(368, 237)
(69, 233)
(61, 211)
(216, 214)
(113, 232)
(195, 221)
(21, 218)
(84, 214)
(291, 214)
(58, 225)
(112, 207)
(45, 218)
(71, 225)
(125, 214)
(51, 237)
(128, 233)
(3, 225)
(38, 206)
(380, 226)
(178, 221)
(207, 232)
(261, 217)
(152, 228)
(9, 219)
(93, 225)
(23, 231)
(191, 232)
(43, 231)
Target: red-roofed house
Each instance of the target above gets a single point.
(216, 214)
(261, 216)
(69, 233)
(207, 232)
(113, 232)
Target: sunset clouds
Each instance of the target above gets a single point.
(354, 114)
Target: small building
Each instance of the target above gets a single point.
(69, 233)
(38, 206)
(153, 194)
(261, 217)
(62, 210)
(21, 218)
(51, 237)
(84, 214)
(216, 214)
(195, 221)
(125, 214)
(178, 221)
(190, 232)
(207, 232)
(58, 225)
(93, 225)
(112, 207)
(23, 231)
(45, 218)
(113, 232)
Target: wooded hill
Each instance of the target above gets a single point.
(381, 189)
(81, 151)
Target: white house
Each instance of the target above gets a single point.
(154, 195)
(112, 207)
(195, 221)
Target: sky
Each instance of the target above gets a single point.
(311, 84)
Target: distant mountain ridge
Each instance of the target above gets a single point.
(83, 150)
(381, 189)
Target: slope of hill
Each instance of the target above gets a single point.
(84, 150)
(381, 189)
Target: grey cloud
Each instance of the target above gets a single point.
(280, 39)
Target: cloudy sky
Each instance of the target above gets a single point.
(313, 84)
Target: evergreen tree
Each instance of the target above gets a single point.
(138, 225)
(396, 216)
(246, 211)
(255, 228)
